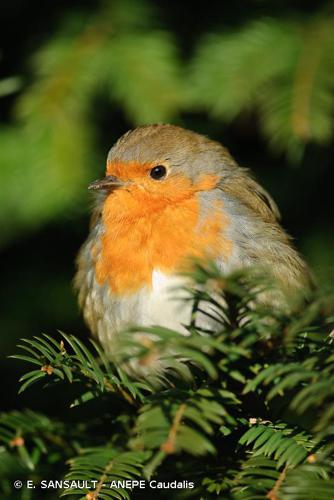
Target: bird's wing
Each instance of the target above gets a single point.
(252, 195)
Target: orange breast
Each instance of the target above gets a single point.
(145, 233)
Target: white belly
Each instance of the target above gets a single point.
(163, 304)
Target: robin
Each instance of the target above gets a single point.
(171, 195)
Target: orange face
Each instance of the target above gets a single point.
(171, 187)
(155, 224)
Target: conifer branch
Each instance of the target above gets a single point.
(254, 397)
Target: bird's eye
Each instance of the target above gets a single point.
(158, 172)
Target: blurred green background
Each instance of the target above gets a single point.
(256, 75)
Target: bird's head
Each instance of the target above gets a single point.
(163, 164)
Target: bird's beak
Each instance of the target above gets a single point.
(108, 183)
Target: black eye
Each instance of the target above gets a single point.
(158, 172)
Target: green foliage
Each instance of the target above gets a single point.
(47, 158)
(244, 411)
(275, 69)
(109, 465)
(280, 69)
(74, 363)
(279, 442)
(30, 436)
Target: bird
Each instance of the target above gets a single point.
(171, 196)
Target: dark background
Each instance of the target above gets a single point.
(37, 262)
